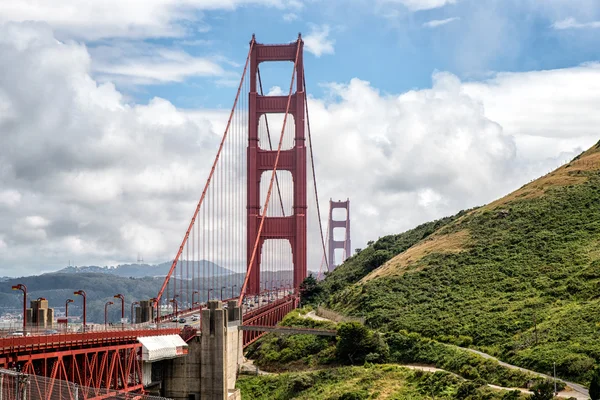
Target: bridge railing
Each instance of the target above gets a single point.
(62, 329)
(15, 385)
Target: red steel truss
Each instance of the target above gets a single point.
(268, 315)
(96, 361)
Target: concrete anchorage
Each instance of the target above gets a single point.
(209, 371)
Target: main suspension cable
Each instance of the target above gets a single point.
(312, 162)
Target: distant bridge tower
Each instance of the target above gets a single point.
(339, 244)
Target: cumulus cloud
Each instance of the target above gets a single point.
(145, 63)
(405, 159)
(98, 19)
(318, 42)
(572, 23)
(439, 22)
(9, 198)
(87, 175)
(417, 5)
(289, 17)
(95, 160)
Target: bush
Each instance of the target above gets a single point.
(359, 395)
(595, 385)
(543, 390)
(355, 342)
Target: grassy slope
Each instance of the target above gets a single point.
(531, 255)
(353, 383)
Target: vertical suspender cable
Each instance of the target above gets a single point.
(160, 293)
(312, 161)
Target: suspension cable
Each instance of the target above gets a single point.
(208, 181)
(312, 161)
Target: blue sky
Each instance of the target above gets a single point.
(385, 43)
(112, 111)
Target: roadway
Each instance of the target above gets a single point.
(251, 303)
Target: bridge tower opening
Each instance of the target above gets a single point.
(339, 244)
(289, 227)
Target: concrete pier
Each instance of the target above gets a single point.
(209, 371)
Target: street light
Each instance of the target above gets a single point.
(82, 294)
(108, 303)
(174, 301)
(67, 307)
(132, 305)
(193, 293)
(154, 300)
(120, 296)
(208, 298)
(224, 287)
(232, 291)
(23, 288)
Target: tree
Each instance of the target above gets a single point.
(356, 344)
(310, 290)
(595, 384)
(543, 391)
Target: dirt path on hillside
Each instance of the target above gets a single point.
(572, 390)
(578, 391)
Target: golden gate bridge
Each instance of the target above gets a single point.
(247, 237)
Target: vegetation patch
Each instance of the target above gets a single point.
(364, 382)
(526, 288)
(444, 244)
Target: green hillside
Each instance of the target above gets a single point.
(484, 277)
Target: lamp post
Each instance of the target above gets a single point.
(132, 305)
(208, 298)
(82, 294)
(67, 307)
(120, 296)
(154, 300)
(174, 301)
(108, 303)
(193, 293)
(233, 291)
(222, 292)
(23, 288)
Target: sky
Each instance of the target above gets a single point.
(111, 111)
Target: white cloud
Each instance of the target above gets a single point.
(97, 19)
(275, 91)
(417, 5)
(81, 162)
(439, 22)
(100, 179)
(572, 23)
(150, 64)
(426, 154)
(10, 198)
(318, 42)
(289, 17)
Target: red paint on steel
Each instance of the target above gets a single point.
(260, 227)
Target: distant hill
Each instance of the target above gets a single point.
(518, 278)
(142, 270)
(57, 287)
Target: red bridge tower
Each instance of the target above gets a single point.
(292, 227)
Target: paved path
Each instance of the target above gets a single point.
(313, 315)
(579, 391)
